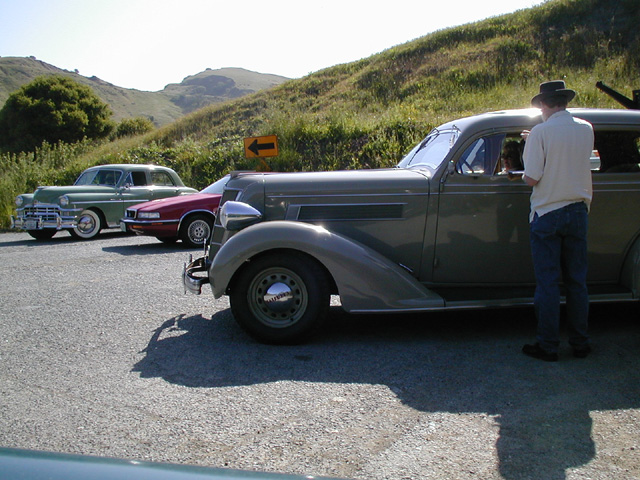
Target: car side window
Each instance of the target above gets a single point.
(161, 179)
(618, 151)
(138, 179)
(482, 156)
(107, 177)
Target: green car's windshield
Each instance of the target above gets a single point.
(432, 150)
(99, 177)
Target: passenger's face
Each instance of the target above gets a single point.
(508, 164)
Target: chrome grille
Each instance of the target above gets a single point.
(46, 212)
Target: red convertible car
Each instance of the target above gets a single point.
(188, 217)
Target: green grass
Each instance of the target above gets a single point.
(368, 113)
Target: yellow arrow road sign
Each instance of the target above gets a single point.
(265, 146)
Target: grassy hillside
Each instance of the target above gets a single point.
(163, 107)
(367, 114)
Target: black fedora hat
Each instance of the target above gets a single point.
(552, 89)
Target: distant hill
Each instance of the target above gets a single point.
(163, 107)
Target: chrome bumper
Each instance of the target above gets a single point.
(38, 217)
(39, 223)
(193, 283)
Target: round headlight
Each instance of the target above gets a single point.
(238, 215)
(63, 200)
(19, 201)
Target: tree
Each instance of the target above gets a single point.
(52, 108)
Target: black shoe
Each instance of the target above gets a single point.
(581, 352)
(536, 351)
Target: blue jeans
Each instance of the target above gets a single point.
(559, 250)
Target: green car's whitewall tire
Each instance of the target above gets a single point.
(89, 225)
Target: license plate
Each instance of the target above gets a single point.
(33, 224)
(123, 226)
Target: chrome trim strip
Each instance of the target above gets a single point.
(135, 221)
(347, 195)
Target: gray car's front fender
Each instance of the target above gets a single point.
(366, 281)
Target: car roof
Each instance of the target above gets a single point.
(529, 117)
(129, 166)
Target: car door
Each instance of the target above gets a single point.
(482, 232)
(162, 185)
(133, 189)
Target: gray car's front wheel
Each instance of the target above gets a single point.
(281, 298)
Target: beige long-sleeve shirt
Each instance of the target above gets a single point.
(557, 155)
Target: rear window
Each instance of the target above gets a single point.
(161, 179)
(618, 151)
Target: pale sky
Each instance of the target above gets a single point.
(147, 44)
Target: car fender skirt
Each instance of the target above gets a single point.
(366, 281)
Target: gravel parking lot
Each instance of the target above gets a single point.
(102, 354)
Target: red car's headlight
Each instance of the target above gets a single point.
(148, 214)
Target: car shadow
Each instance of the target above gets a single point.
(150, 249)
(61, 237)
(453, 362)
(143, 248)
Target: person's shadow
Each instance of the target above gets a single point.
(456, 363)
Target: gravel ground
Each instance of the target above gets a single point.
(102, 354)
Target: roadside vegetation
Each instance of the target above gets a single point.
(369, 113)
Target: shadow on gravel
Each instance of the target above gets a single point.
(448, 362)
(150, 249)
(60, 238)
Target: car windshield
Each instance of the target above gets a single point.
(432, 150)
(99, 177)
(216, 187)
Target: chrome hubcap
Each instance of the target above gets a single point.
(278, 297)
(199, 231)
(86, 224)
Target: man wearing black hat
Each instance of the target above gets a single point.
(557, 165)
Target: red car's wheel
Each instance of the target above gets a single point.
(196, 230)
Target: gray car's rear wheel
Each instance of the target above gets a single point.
(89, 225)
(281, 298)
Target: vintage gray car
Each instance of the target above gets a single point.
(446, 229)
(97, 200)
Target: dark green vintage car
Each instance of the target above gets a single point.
(97, 200)
(446, 229)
